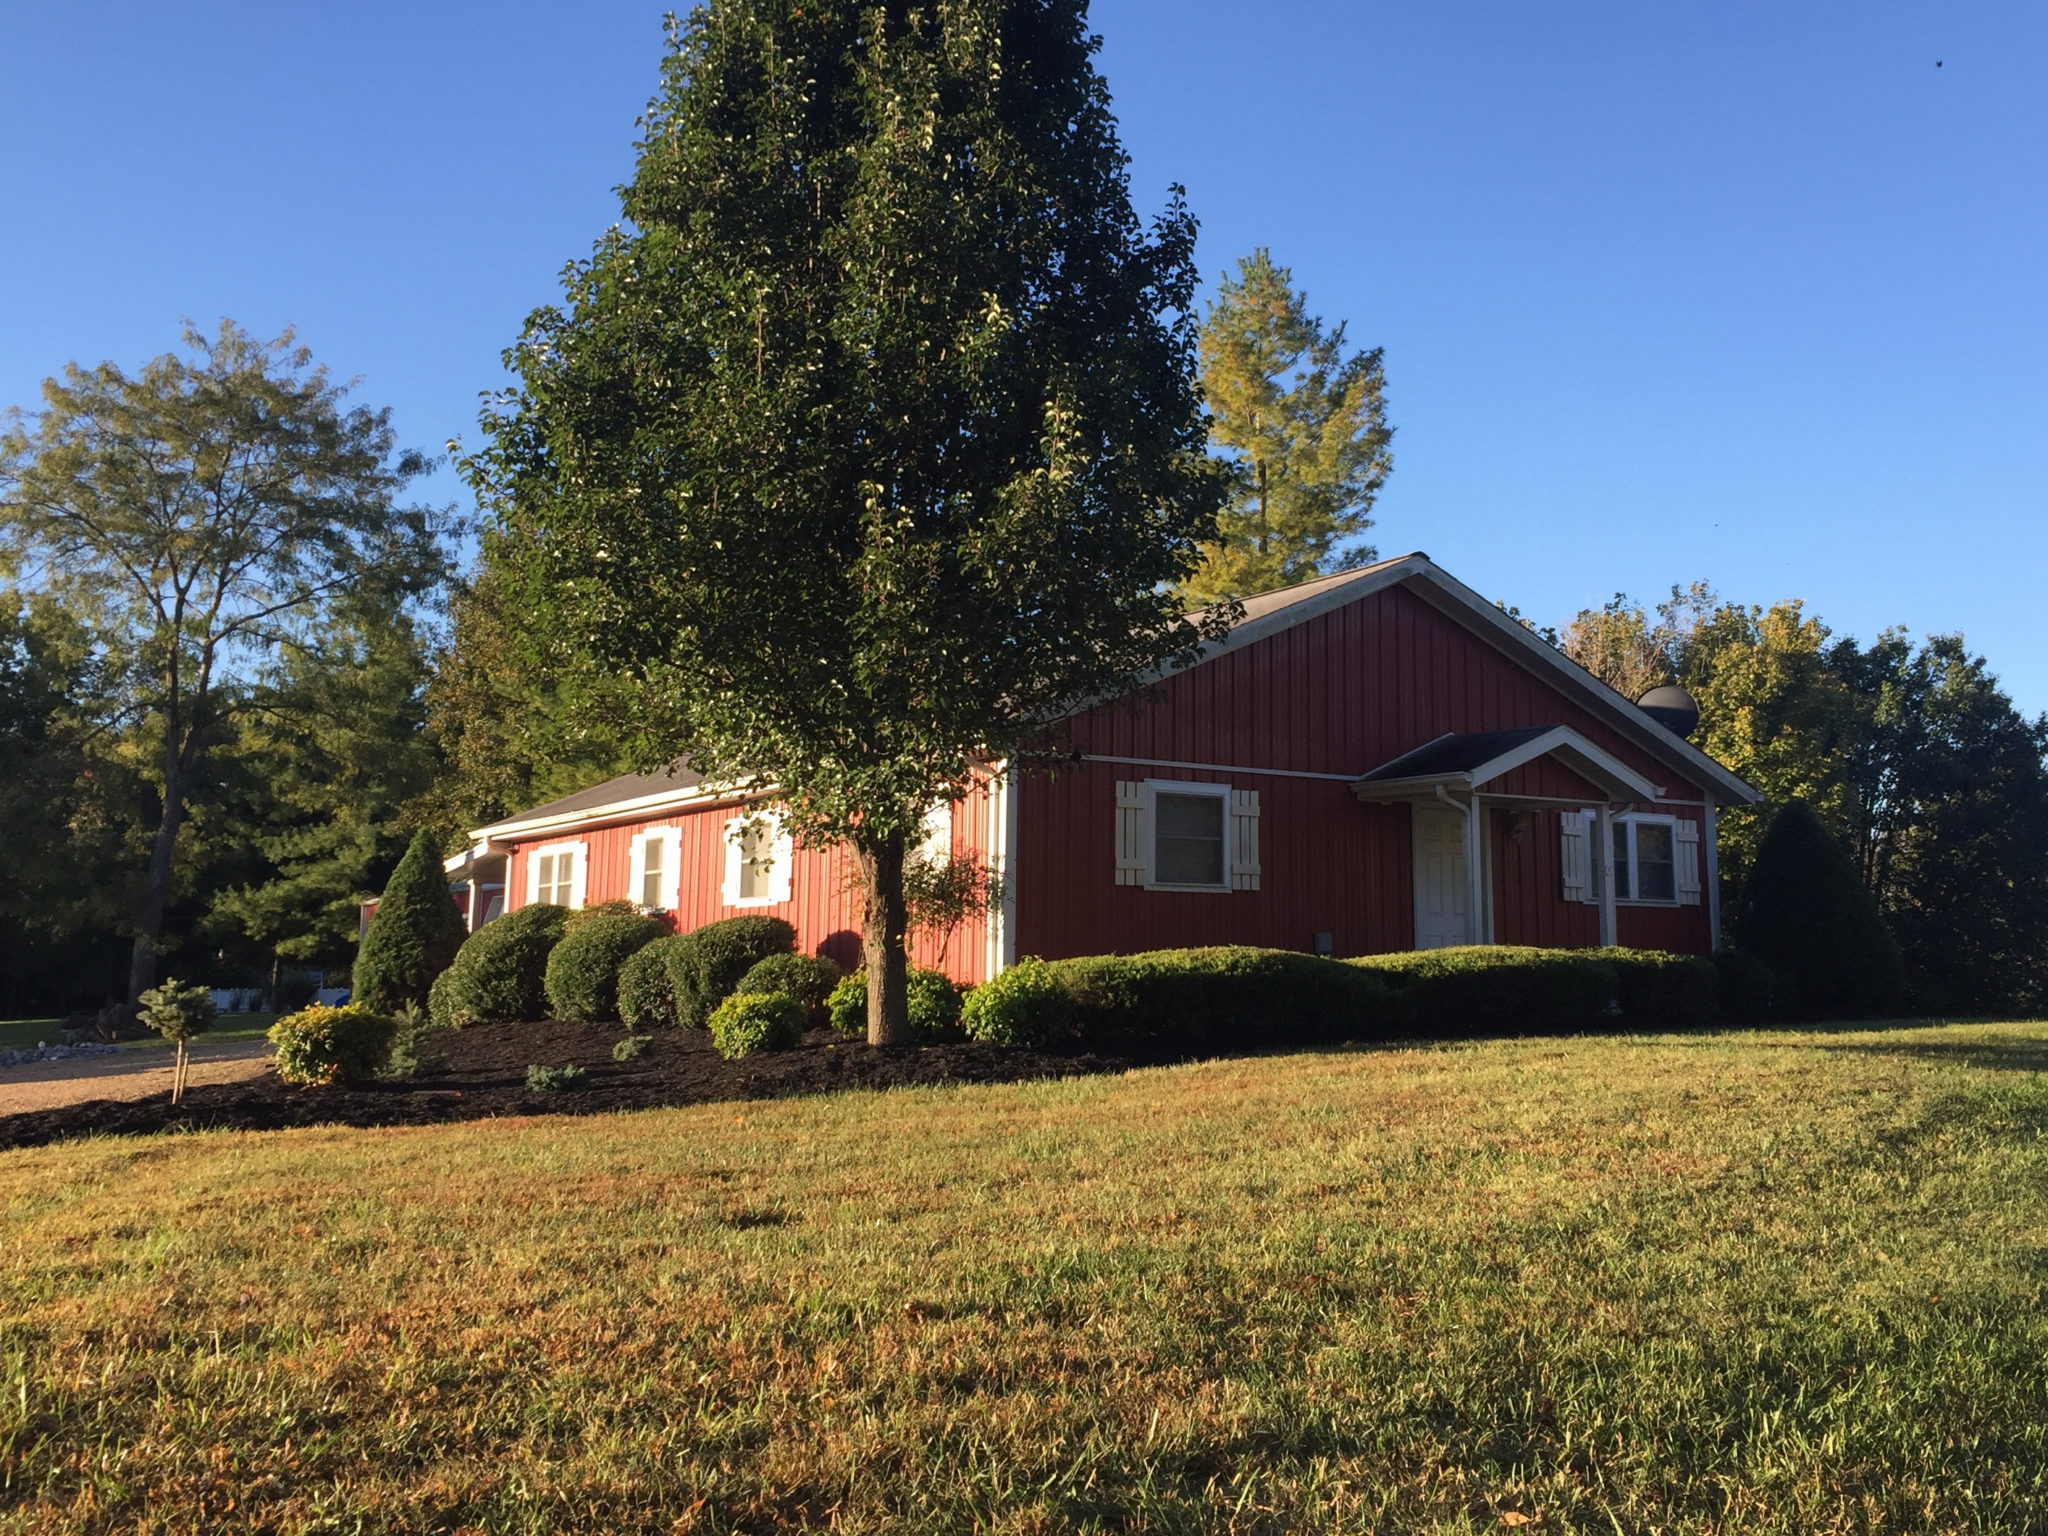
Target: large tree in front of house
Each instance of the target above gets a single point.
(201, 518)
(872, 436)
(1301, 422)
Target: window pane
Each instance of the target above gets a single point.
(1656, 875)
(544, 881)
(755, 854)
(1188, 846)
(650, 872)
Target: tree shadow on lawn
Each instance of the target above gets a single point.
(1914, 1039)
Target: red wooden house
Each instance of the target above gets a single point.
(1377, 760)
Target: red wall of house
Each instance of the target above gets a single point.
(1338, 694)
(824, 906)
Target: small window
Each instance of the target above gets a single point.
(757, 862)
(555, 881)
(653, 853)
(1187, 846)
(1645, 862)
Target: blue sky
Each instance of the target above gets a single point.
(1745, 291)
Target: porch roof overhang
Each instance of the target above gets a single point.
(1467, 762)
(477, 863)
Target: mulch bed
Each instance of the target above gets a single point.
(484, 1075)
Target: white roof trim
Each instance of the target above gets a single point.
(1582, 756)
(526, 828)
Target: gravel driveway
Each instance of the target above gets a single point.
(134, 1074)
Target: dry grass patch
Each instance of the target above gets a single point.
(1739, 1282)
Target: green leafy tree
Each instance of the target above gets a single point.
(871, 437)
(1302, 424)
(199, 517)
(413, 936)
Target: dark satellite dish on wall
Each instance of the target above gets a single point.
(1671, 707)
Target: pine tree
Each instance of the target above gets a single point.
(871, 435)
(414, 935)
(1304, 429)
(1806, 913)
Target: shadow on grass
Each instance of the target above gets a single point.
(1994, 1053)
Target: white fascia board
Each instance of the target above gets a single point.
(525, 829)
(1594, 763)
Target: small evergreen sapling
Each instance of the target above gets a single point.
(414, 936)
(178, 1014)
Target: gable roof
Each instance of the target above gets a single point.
(1271, 613)
(642, 793)
(1478, 757)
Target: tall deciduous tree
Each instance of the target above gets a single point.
(872, 437)
(1302, 424)
(200, 516)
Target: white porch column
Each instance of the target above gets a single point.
(1602, 870)
(1475, 875)
(1710, 834)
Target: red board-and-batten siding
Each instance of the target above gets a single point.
(823, 905)
(1336, 695)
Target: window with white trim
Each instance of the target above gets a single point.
(1645, 860)
(654, 880)
(1652, 860)
(1177, 835)
(758, 856)
(555, 875)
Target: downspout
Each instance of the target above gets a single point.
(1602, 869)
(1711, 832)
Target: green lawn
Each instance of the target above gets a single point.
(24, 1034)
(1742, 1282)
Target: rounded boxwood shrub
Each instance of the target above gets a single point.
(582, 977)
(934, 1006)
(747, 1022)
(706, 967)
(414, 935)
(1227, 997)
(807, 978)
(647, 994)
(321, 1045)
(500, 973)
(1027, 1004)
(1806, 914)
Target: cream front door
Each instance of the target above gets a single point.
(1442, 890)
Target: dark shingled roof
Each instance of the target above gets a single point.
(627, 786)
(1456, 754)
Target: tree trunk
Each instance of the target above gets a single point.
(883, 924)
(156, 889)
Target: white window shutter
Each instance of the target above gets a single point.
(784, 853)
(532, 877)
(1244, 839)
(729, 889)
(636, 868)
(579, 872)
(1130, 833)
(1574, 848)
(1685, 852)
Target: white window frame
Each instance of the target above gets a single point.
(1627, 823)
(671, 841)
(579, 870)
(781, 855)
(1149, 832)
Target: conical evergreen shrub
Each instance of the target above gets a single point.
(1806, 913)
(414, 936)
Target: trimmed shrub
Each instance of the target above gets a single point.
(582, 977)
(320, 1045)
(933, 1004)
(1027, 1004)
(1746, 989)
(647, 994)
(1499, 989)
(414, 935)
(440, 999)
(618, 906)
(1228, 997)
(632, 1048)
(809, 979)
(1806, 913)
(747, 1022)
(709, 963)
(555, 1079)
(1659, 990)
(500, 973)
